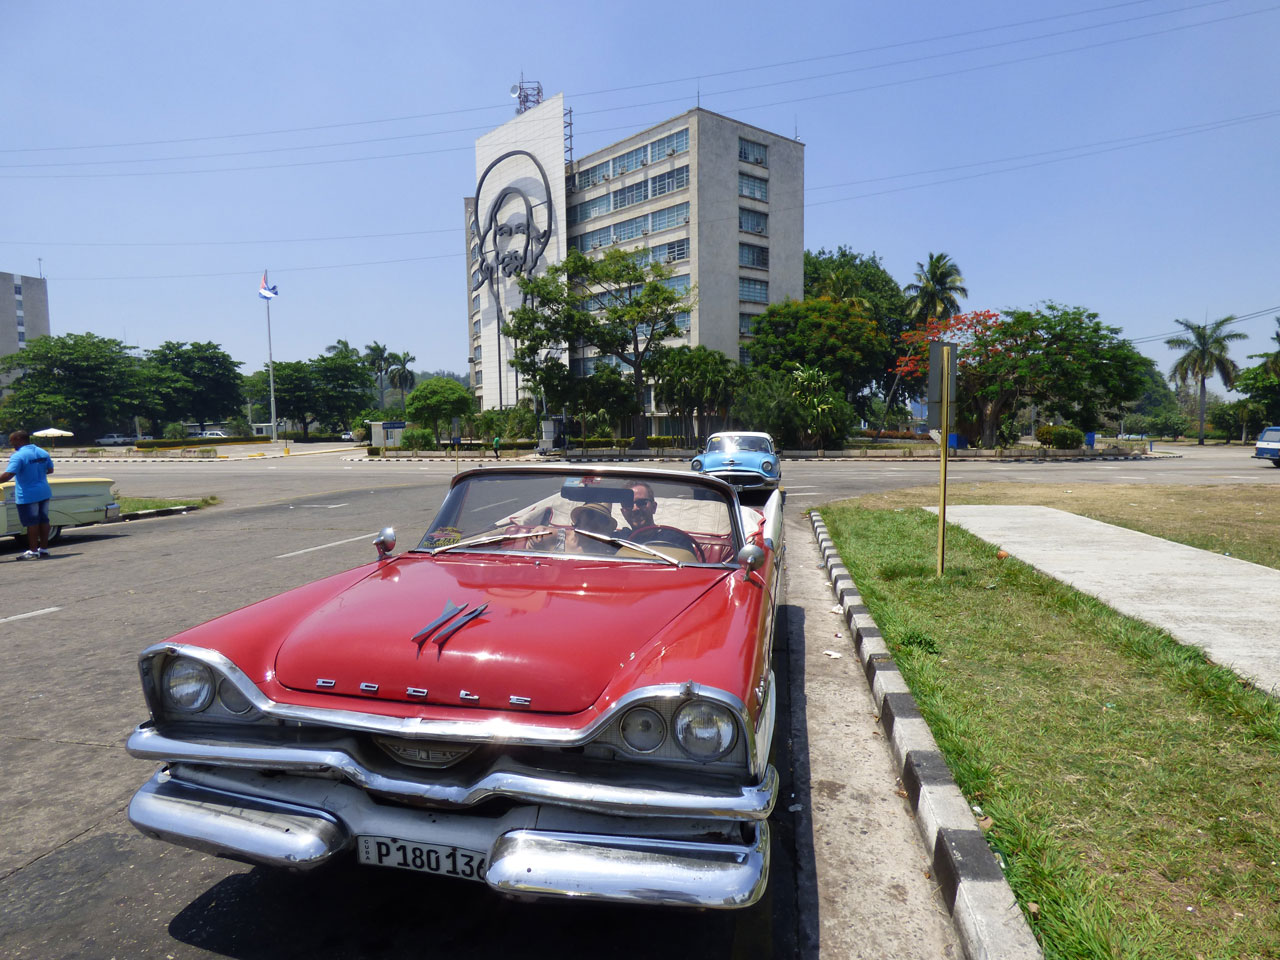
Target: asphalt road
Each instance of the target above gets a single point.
(77, 881)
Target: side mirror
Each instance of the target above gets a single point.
(750, 558)
(385, 541)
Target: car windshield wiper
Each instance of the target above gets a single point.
(619, 542)
(489, 538)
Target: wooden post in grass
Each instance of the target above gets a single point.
(946, 443)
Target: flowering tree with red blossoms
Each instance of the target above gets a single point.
(1060, 358)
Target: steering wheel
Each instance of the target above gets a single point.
(672, 536)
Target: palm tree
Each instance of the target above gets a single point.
(1271, 361)
(935, 293)
(398, 373)
(342, 349)
(1206, 354)
(839, 283)
(375, 356)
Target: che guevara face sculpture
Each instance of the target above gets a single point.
(510, 239)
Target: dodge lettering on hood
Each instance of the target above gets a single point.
(564, 690)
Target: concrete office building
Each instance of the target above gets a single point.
(24, 313)
(719, 202)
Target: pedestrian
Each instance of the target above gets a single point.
(28, 467)
(497, 442)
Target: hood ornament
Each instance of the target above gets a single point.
(450, 611)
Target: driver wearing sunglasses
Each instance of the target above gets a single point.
(640, 513)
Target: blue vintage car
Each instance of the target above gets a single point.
(746, 460)
(1268, 446)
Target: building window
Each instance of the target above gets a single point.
(682, 322)
(475, 251)
(679, 284)
(753, 291)
(477, 353)
(475, 280)
(479, 376)
(475, 328)
(22, 337)
(751, 152)
(746, 324)
(17, 289)
(669, 182)
(749, 255)
(670, 217)
(744, 354)
(670, 145)
(631, 160)
(673, 251)
(630, 229)
(636, 193)
(582, 212)
(753, 221)
(595, 238)
(475, 303)
(593, 175)
(753, 187)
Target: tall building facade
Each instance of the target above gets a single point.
(24, 313)
(719, 202)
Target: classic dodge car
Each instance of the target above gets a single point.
(563, 690)
(76, 502)
(745, 459)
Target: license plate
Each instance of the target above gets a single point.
(422, 857)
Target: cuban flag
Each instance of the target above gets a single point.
(264, 291)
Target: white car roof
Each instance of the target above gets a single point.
(741, 433)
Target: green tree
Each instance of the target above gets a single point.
(697, 379)
(398, 373)
(343, 349)
(839, 339)
(86, 383)
(376, 359)
(1262, 387)
(1206, 347)
(296, 398)
(936, 291)
(340, 389)
(209, 384)
(616, 306)
(767, 401)
(845, 275)
(437, 401)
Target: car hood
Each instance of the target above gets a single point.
(738, 460)
(552, 633)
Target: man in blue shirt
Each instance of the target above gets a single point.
(29, 467)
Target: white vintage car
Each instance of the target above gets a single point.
(76, 502)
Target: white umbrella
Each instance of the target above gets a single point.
(52, 432)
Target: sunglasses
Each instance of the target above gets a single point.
(639, 501)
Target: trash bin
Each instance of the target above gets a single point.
(957, 442)
(1089, 439)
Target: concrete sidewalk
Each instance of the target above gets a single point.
(1223, 605)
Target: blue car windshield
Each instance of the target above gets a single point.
(734, 444)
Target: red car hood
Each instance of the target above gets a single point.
(553, 631)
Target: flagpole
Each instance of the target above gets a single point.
(271, 372)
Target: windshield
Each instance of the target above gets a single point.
(1270, 435)
(732, 444)
(520, 512)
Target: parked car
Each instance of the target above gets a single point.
(76, 502)
(537, 697)
(212, 433)
(114, 440)
(348, 435)
(1268, 446)
(743, 459)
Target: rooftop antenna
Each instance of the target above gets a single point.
(527, 94)
(40, 266)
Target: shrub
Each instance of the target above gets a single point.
(1066, 438)
(417, 438)
(1044, 435)
(175, 431)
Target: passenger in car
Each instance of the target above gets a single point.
(643, 506)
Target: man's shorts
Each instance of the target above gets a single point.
(33, 514)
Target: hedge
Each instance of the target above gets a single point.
(196, 442)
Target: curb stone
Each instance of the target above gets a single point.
(987, 918)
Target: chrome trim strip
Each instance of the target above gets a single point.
(631, 869)
(504, 779)
(518, 729)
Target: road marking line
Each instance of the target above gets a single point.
(325, 546)
(806, 486)
(322, 506)
(33, 613)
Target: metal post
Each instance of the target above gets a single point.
(271, 375)
(946, 444)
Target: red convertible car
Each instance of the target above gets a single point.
(563, 691)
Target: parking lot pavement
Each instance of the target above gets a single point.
(871, 864)
(1223, 605)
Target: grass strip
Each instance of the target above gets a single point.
(1131, 784)
(134, 504)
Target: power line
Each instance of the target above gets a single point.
(590, 93)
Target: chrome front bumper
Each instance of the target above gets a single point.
(521, 784)
(300, 822)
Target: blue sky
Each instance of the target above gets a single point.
(1121, 156)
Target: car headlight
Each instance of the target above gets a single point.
(767, 466)
(231, 698)
(704, 730)
(188, 685)
(697, 465)
(643, 730)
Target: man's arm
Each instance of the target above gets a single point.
(5, 477)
